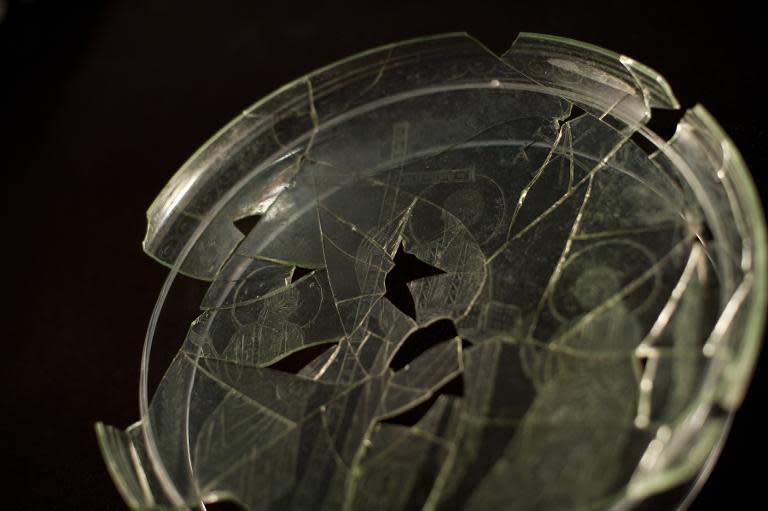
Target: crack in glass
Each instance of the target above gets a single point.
(564, 311)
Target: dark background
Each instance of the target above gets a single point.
(100, 102)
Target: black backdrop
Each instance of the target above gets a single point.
(101, 102)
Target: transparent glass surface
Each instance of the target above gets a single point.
(444, 279)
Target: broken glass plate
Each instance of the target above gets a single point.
(465, 281)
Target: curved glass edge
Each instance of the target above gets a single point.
(748, 220)
(689, 448)
(737, 220)
(188, 209)
(605, 82)
(183, 217)
(126, 460)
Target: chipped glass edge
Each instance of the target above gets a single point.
(583, 74)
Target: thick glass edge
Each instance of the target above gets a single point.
(189, 179)
(689, 450)
(737, 372)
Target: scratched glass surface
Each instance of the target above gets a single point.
(583, 300)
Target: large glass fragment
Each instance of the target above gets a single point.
(581, 316)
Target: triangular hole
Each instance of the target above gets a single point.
(407, 268)
(576, 111)
(298, 272)
(246, 224)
